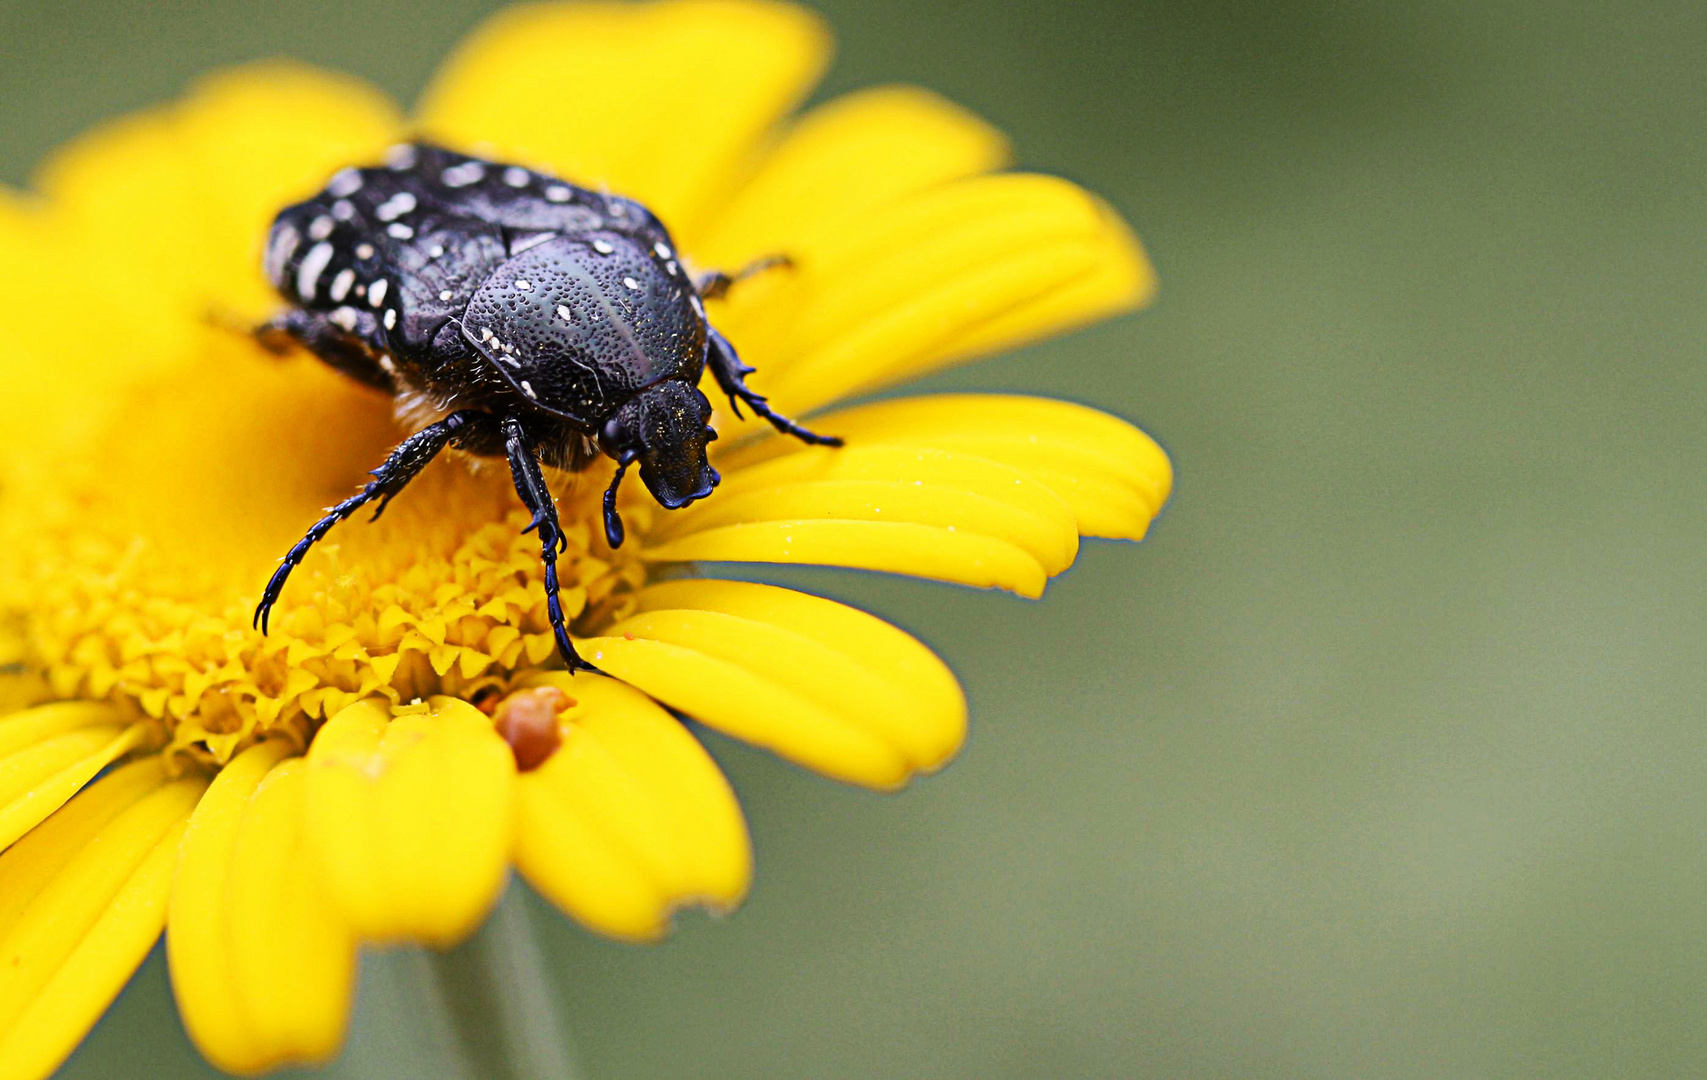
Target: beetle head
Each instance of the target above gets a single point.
(665, 429)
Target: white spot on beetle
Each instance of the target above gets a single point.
(527, 388)
(603, 247)
(364, 251)
(663, 251)
(400, 230)
(285, 241)
(524, 285)
(445, 295)
(516, 176)
(565, 314)
(376, 295)
(557, 193)
(320, 228)
(344, 210)
(391, 318)
(341, 284)
(458, 176)
(670, 267)
(345, 317)
(485, 334)
(385, 362)
(437, 251)
(313, 265)
(631, 283)
(395, 207)
(344, 183)
(401, 157)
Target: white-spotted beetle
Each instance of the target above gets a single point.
(510, 314)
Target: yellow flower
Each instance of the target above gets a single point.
(275, 802)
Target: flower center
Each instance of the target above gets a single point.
(131, 561)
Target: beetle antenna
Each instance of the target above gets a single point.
(613, 522)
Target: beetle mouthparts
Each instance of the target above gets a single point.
(668, 422)
(676, 489)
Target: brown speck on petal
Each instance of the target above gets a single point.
(527, 720)
(487, 699)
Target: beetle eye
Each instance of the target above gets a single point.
(613, 436)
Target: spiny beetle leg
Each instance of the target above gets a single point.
(530, 485)
(731, 374)
(401, 466)
(351, 346)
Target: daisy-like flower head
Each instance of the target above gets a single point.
(275, 802)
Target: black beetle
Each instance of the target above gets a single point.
(510, 314)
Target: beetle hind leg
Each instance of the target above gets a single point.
(731, 375)
(354, 349)
(530, 485)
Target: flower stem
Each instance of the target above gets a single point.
(503, 1013)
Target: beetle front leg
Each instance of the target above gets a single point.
(530, 485)
(730, 373)
(401, 466)
(714, 284)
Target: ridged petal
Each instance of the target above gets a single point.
(412, 817)
(849, 156)
(1114, 477)
(630, 818)
(262, 966)
(82, 899)
(660, 101)
(826, 685)
(948, 273)
(910, 510)
(49, 752)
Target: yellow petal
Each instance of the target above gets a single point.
(909, 510)
(955, 271)
(660, 101)
(849, 156)
(262, 966)
(411, 818)
(37, 779)
(1121, 279)
(30, 727)
(82, 899)
(1113, 476)
(201, 181)
(826, 685)
(630, 818)
(181, 195)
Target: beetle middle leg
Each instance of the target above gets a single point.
(714, 284)
(731, 375)
(401, 466)
(530, 485)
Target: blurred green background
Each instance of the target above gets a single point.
(1384, 755)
